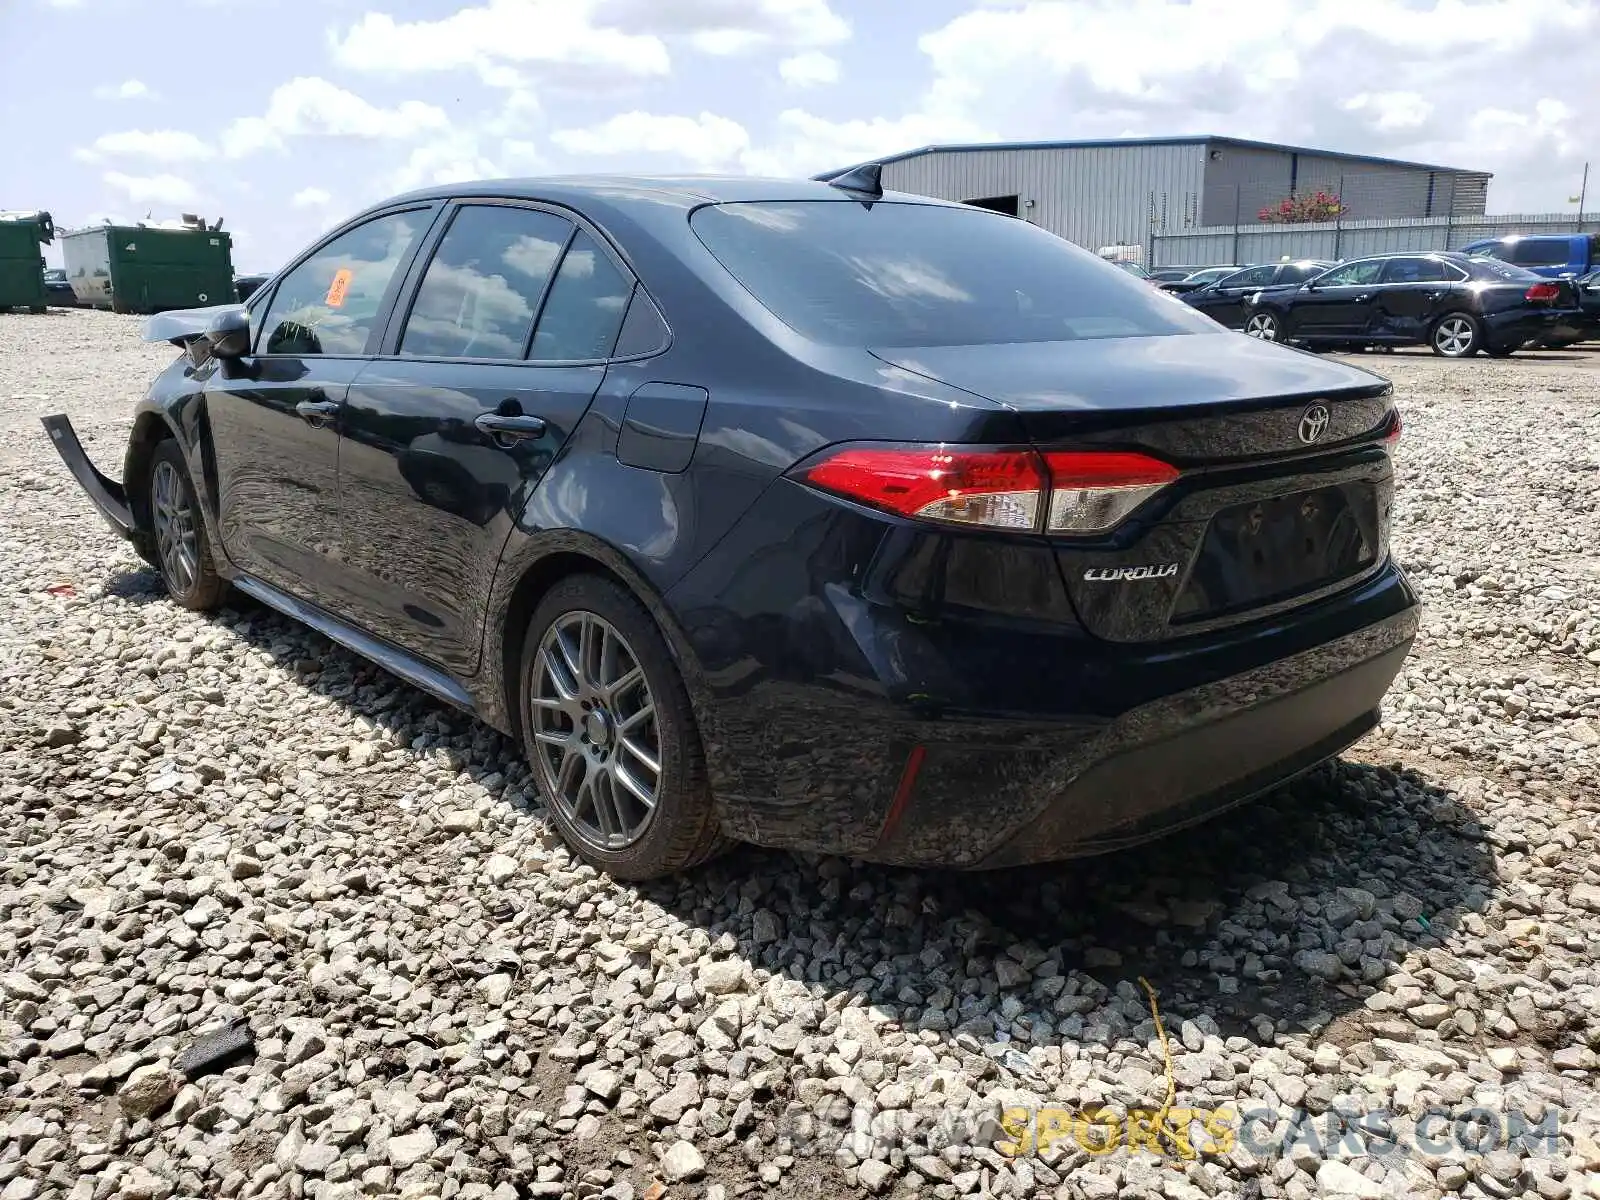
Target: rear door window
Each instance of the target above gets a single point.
(1356, 274)
(329, 304)
(900, 274)
(586, 306)
(1419, 270)
(482, 290)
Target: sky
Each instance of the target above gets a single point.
(283, 117)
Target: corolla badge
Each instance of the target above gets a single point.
(1314, 422)
(1111, 574)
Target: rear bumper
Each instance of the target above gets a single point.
(105, 494)
(1154, 769)
(1163, 770)
(863, 722)
(1519, 327)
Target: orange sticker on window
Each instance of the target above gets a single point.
(336, 290)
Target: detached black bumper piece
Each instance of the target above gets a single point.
(1154, 770)
(106, 494)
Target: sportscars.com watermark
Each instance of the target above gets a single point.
(1267, 1133)
(1184, 1133)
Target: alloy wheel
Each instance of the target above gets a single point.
(1454, 336)
(1262, 326)
(597, 746)
(176, 543)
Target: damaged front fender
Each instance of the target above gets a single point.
(107, 495)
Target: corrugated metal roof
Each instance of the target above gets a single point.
(1189, 140)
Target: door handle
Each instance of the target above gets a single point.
(1363, 298)
(507, 431)
(319, 414)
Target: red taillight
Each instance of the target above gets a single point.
(1060, 492)
(1392, 438)
(997, 488)
(1543, 291)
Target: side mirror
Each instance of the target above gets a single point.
(228, 334)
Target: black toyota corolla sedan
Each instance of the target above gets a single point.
(796, 513)
(1455, 304)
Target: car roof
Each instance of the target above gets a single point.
(651, 190)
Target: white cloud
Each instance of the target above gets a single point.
(809, 69)
(153, 189)
(1391, 110)
(313, 107)
(724, 27)
(807, 144)
(157, 145)
(1325, 73)
(311, 197)
(704, 141)
(452, 159)
(128, 89)
(549, 34)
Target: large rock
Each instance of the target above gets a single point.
(148, 1090)
(411, 1148)
(682, 1162)
(1337, 1179)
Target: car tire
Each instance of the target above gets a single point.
(590, 745)
(178, 533)
(1263, 326)
(1456, 335)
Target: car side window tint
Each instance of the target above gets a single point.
(1356, 274)
(1252, 277)
(330, 302)
(643, 330)
(482, 288)
(1412, 270)
(1299, 272)
(584, 311)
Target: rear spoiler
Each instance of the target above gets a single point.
(182, 326)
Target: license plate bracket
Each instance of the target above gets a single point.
(1268, 551)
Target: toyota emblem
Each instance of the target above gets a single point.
(1314, 423)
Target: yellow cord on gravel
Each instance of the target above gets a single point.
(1160, 1121)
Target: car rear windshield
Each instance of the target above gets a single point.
(901, 274)
(1493, 268)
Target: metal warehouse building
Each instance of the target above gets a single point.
(1120, 192)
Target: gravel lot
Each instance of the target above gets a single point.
(229, 817)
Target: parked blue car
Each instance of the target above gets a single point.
(1556, 256)
(1553, 255)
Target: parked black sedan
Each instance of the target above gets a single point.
(1195, 280)
(1223, 300)
(798, 513)
(1455, 304)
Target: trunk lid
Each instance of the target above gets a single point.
(1285, 488)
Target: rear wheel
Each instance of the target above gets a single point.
(1262, 325)
(183, 554)
(1457, 335)
(609, 733)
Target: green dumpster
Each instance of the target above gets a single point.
(147, 268)
(21, 265)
